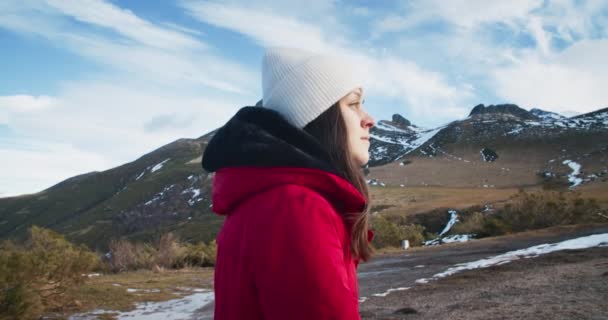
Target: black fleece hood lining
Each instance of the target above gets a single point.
(261, 137)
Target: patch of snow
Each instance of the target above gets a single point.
(131, 290)
(559, 124)
(175, 309)
(424, 137)
(195, 195)
(458, 238)
(379, 138)
(381, 149)
(516, 130)
(159, 165)
(453, 220)
(384, 294)
(159, 195)
(91, 275)
(140, 175)
(573, 177)
(387, 127)
(596, 240)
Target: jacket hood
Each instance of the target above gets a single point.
(257, 149)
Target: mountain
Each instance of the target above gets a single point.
(504, 146)
(166, 189)
(391, 140)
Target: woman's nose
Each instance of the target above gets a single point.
(367, 121)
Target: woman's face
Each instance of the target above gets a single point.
(358, 122)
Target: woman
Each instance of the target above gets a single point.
(289, 181)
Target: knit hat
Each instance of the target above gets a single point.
(301, 85)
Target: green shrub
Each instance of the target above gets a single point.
(35, 275)
(389, 234)
(530, 211)
(199, 254)
(470, 223)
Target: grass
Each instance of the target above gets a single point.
(412, 200)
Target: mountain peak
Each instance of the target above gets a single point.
(400, 121)
(512, 109)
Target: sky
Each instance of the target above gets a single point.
(92, 84)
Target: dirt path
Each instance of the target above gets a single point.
(561, 285)
(530, 285)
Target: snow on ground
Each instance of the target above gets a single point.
(159, 195)
(453, 220)
(387, 127)
(596, 240)
(140, 175)
(175, 309)
(159, 165)
(196, 192)
(516, 130)
(576, 170)
(458, 238)
(446, 229)
(385, 293)
(424, 137)
(131, 290)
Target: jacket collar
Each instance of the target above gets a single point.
(232, 186)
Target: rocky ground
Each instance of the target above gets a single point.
(570, 284)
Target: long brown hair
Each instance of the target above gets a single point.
(330, 129)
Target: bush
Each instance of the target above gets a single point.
(169, 253)
(169, 250)
(530, 211)
(470, 223)
(199, 254)
(389, 234)
(125, 256)
(34, 276)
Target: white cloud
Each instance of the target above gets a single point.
(38, 165)
(25, 103)
(107, 15)
(572, 80)
(97, 126)
(265, 26)
(423, 92)
(472, 13)
(153, 52)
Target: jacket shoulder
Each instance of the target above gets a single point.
(295, 205)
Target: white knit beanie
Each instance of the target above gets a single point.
(301, 85)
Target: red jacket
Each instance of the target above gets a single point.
(283, 251)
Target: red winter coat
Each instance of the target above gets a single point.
(284, 249)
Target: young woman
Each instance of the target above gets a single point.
(289, 181)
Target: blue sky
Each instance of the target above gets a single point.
(89, 85)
